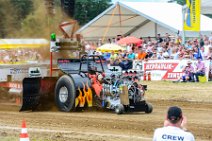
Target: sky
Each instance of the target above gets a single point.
(143, 0)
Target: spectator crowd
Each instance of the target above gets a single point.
(161, 48)
(14, 56)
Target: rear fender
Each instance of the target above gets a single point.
(38, 92)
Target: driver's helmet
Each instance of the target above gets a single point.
(91, 68)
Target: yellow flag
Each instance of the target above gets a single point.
(192, 16)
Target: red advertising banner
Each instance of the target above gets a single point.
(168, 69)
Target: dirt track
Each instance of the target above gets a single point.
(102, 126)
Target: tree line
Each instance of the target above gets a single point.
(29, 18)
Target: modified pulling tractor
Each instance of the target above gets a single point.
(85, 82)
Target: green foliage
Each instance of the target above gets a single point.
(86, 10)
(38, 24)
(12, 13)
(29, 18)
(2, 15)
(8, 18)
(22, 7)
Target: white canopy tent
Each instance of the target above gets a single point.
(206, 7)
(140, 19)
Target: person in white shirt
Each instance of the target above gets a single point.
(210, 38)
(173, 130)
(206, 47)
(160, 55)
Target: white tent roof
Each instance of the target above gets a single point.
(127, 17)
(206, 6)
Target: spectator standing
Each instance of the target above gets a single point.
(114, 40)
(209, 54)
(188, 45)
(210, 38)
(173, 129)
(178, 40)
(109, 41)
(100, 43)
(206, 46)
(167, 38)
(149, 39)
(159, 39)
(203, 54)
(201, 42)
(129, 47)
(175, 54)
(87, 47)
(170, 47)
(197, 53)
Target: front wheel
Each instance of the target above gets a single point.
(148, 108)
(65, 93)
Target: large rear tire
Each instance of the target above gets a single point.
(148, 108)
(65, 93)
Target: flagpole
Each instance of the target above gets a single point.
(183, 18)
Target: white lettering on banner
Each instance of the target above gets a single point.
(174, 75)
(15, 85)
(18, 71)
(159, 66)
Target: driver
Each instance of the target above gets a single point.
(91, 68)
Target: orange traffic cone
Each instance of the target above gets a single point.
(24, 135)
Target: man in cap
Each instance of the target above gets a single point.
(173, 129)
(188, 72)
